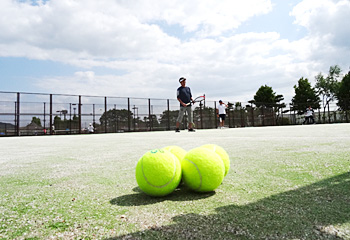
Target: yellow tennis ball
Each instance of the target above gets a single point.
(202, 170)
(177, 151)
(158, 172)
(222, 153)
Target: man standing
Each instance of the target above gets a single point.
(91, 128)
(221, 112)
(309, 115)
(184, 96)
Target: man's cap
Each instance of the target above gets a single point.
(182, 79)
(220, 101)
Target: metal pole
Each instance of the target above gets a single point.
(45, 117)
(149, 114)
(93, 116)
(134, 121)
(18, 114)
(115, 118)
(216, 119)
(129, 125)
(201, 114)
(79, 113)
(15, 114)
(51, 130)
(168, 114)
(251, 104)
(106, 115)
(70, 118)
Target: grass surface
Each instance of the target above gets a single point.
(284, 183)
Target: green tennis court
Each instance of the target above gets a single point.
(289, 182)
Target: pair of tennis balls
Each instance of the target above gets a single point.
(202, 169)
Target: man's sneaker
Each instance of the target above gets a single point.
(191, 130)
(177, 130)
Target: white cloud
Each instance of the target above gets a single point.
(108, 29)
(325, 19)
(89, 29)
(126, 36)
(208, 17)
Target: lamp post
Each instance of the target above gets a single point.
(70, 116)
(45, 117)
(60, 113)
(135, 108)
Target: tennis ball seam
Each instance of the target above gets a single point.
(199, 173)
(174, 174)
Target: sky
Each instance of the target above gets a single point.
(226, 49)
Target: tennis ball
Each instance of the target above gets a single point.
(202, 170)
(177, 151)
(158, 172)
(222, 153)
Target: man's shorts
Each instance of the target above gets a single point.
(222, 116)
(182, 112)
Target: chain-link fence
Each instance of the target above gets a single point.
(40, 114)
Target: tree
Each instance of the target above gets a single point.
(58, 123)
(305, 96)
(116, 118)
(343, 94)
(37, 121)
(328, 87)
(279, 105)
(265, 97)
(154, 124)
(172, 118)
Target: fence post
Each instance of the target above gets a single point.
(106, 115)
(209, 124)
(253, 123)
(215, 118)
(45, 117)
(79, 114)
(129, 124)
(149, 114)
(93, 116)
(18, 114)
(168, 104)
(51, 130)
(201, 114)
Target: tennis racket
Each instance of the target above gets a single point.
(197, 99)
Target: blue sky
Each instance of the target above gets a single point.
(140, 48)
